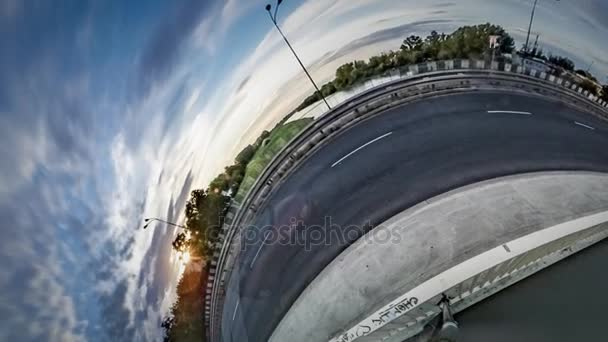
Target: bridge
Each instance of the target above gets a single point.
(450, 181)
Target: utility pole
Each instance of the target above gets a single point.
(526, 47)
(530, 26)
(590, 65)
(494, 44)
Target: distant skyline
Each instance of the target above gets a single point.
(114, 111)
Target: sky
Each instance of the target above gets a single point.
(112, 111)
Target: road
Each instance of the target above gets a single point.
(566, 302)
(385, 165)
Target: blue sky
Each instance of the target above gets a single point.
(111, 111)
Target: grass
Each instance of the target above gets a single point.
(279, 137)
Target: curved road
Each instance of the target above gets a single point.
(383, 166)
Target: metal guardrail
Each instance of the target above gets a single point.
(412, 83)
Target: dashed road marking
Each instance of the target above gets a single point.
(361, 147)
(508, 112)
(259, 249)
(583, 125)
(238, 301)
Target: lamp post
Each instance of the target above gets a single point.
(152, 219)
(590, 65)
(273, 18)
(530, 26)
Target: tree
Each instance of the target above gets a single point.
(590, 86)
(605, 92)
(220, 183)
(185, 320)
(412, 43)
(180, 243)
(562, 62)
(328, 89)
(245, 155)
(168, 324)
(344, 75)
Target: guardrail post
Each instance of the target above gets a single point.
(413, 69)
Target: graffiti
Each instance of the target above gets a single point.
(393, 311)
(405, 305)
(363, 330)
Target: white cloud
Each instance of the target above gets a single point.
(314, 29)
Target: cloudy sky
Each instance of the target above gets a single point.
(111, 111)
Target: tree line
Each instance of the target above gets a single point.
(467, 42)
(206, 208)
(204, 218)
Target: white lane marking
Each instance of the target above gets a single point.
(238, 301)
(259, 249)
(583, 125)
(508, 112)
(361, 147)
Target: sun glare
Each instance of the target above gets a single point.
(185, 257)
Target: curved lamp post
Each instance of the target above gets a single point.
(153, 219)
(273, 17)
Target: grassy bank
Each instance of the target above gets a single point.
(279, 137)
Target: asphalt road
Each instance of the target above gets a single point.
(565, 302)
(385, 165)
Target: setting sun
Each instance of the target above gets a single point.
(185, 257)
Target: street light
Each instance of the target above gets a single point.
(590, 65)
(152, 219)
(530, 26)
(274, 21)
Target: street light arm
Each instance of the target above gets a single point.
(271, 18)
(150, 220)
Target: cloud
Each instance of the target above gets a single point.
(167, 42)
(36, 303)
(9, 8)
(391, 33)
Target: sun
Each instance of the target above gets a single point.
(185, 257)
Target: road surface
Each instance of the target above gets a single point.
(384, 166)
